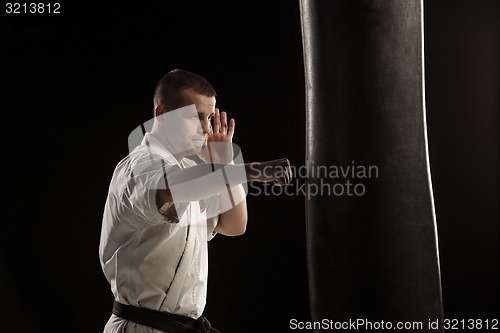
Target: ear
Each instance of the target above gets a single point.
(159, 110)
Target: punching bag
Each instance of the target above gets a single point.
(372, 246)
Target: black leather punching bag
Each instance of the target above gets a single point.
(371, 228)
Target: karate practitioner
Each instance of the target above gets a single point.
(163, 207)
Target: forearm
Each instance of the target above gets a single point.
(233, 220)
(204, 180)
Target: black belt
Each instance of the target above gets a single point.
(162, 321)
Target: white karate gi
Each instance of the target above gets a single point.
(151, 261)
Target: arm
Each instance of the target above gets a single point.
(214, 177)
(234, 220)
(204, 180)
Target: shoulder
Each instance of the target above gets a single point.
(140, 161)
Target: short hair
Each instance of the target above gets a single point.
(169, 88)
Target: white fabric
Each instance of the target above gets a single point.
(148, 260)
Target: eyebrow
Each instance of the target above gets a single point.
(201, 114)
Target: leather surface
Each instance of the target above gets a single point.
(372, 256)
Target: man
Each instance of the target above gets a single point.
(163, 207)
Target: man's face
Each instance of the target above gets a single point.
(187, 128)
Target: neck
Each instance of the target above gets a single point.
(179, 156)
(166, 143)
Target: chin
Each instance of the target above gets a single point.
(193, 151)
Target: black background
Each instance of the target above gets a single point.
(75, 84)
